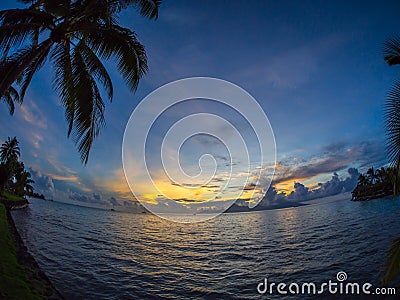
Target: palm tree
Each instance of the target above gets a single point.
(381, 174)
(371, 175)
(23, 183)
(75, 35)
(362, 180)
(9, 149)
(392, 124)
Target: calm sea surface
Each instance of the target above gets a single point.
(95, 254)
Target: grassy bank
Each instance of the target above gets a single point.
(14, 279)
(11, 201)
(8, 196)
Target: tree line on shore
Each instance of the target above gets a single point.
(14, 178)
(374, 184)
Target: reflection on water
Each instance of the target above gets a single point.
(95, 254)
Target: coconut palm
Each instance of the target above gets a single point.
(23, 184)
(380, 174)
(75, 35)
(9, 149)
(371, 175)
(392, 121)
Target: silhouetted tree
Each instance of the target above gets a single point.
(13, 176)
(374, 184)
(22, 185)
(10, 149)
(380, 174)
(371, 175)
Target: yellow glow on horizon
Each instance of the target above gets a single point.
(287, 186)
(163, 188)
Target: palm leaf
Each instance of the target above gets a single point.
(14, 67)
(96, 68)
(392, 128)
(89, 106)
(391, 50)
(392, 122)
(10, 97)
(393, 267)
(121, 43)
(11, 35)
(33, 67)
(63, 81)
(147, 8)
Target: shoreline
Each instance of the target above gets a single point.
(36, 275)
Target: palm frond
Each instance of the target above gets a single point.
(89, 106)
(121, 43)
(16, 25)
(391, 50)
(96, 68)
(147, 8)
(35, 17)
(14, 67)
(64, 82)
(392, 122)
(56, 7)
(103, 12)
(11, 35)
(10, 97)
(33, 67)
(393, 266)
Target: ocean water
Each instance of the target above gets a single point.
(95, 254)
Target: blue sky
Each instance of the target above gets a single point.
(315, 67)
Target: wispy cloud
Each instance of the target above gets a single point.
(31, 114)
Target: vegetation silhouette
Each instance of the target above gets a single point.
(392, 126)
(15, 181)
(75, 35)
(374, 184)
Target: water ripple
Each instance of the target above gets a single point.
(94, 254)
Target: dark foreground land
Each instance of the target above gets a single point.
(20, 275)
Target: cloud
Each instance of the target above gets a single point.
(114, 201)
(43, 183)
(93, 198)
(300, 192)
(30, 113)
(115, 184)
(332, 158)
(330, 188)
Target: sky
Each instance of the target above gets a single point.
(315, 67)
